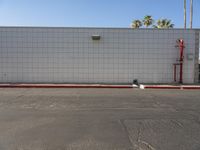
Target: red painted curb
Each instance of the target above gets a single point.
(191, 88)
(62, 86)
(161, 87)
(181, 87)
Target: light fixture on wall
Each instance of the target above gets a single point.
(96, 37)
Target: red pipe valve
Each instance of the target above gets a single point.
(181, 46)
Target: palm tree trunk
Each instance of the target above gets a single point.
(191, 13)
(185, 21)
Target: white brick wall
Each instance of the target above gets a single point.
(69, 55)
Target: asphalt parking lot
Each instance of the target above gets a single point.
(99, 119)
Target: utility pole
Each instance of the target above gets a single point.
(185, 15)
(191, 13)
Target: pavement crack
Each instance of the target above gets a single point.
(149, 146)
(139, 144)
(139, 133)
(142, 142)
(121, 122)
(176, 122)
(20, 96)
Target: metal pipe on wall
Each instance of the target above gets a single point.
(181, 46)
(181, 59)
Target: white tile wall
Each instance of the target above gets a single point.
(69, 55)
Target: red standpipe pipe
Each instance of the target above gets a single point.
(181, 45)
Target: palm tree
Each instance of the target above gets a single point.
(185, 15)
(191, 13)
(136, 24)
(148, 21)
(164, 24)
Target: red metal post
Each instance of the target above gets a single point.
(181, 45)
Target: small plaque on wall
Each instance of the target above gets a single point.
(190, 56)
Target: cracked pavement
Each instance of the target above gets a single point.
(99, 119)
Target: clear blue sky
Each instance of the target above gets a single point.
(92, 13)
